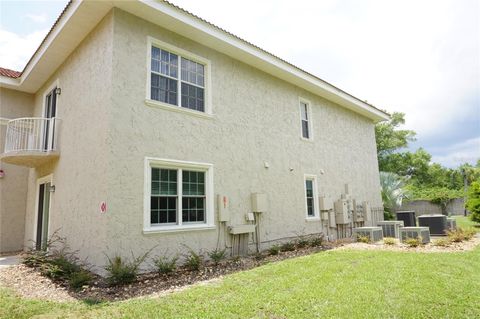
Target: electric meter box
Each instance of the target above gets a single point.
(325, 203)
(259, 202)
(341, 212)
(223, 210)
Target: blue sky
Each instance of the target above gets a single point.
(417, 57)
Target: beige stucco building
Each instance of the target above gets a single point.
(138, 125)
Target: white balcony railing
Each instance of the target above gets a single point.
(31, 134)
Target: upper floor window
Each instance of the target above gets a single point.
(177, 78)
(306, 122)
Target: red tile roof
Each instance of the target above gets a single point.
(9, 73)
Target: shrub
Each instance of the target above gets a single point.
(363, 239)
(316, 241)
(442, 242)
(193, 261)
(258, 256)
(58, 263)
(79, 279)
(165, 265)
(302, 242)
(289, 246)
(458, 235)
(217, 255)
(121, 271)
(274, 250)
(389, 241)
(413, 242)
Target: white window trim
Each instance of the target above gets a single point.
(310, 118)
(183, 53)
(316, 215)
(175, 164)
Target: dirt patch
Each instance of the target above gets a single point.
(28, 282)
(428, 248)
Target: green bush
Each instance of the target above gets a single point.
(458, 235)
(193, 261)
(217, 255)
(165, 265)
(79, 279)
(413, 242)
(363, 239)
(316, 241)
(442, 242)
(389, 241)
(274, 250)
(289, 246)
(302, 242)
(121, 271)
(473, 201)
(58, 263)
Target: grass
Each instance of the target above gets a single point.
(465, 222)
(333, 284)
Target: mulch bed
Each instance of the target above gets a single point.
(28, 282)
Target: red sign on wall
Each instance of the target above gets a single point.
(103, 207)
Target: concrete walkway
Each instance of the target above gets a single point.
(6, 261)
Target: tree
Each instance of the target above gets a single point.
(391, 139)
(393, 192)
(473, 201)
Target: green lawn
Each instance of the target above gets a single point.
(333, 284)
(465, 222)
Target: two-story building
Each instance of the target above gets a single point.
(137, 124)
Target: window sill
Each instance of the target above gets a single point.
(174, 229)
(312, 219)
(178, 109)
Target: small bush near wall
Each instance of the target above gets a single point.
(442, 242)
(413, 242)
(122, 271)
(193, 261)
(165, 265)
(389, 241)
(217, 255)
(363, 239)
(274, 250)
(58, 263)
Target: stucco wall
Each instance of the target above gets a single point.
(80, 173)
(256, 119)
(13, 187)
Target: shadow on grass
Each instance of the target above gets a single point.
(93, 301)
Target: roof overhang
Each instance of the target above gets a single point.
(81, 17)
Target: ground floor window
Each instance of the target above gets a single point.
(179, 194)
(311, 196)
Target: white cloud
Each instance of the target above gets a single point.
(417, 57)
(464, 152)
(16, 50)
(38, 18)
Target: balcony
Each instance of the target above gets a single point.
(31, 141)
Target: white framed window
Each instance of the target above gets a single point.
(311, 197)
(305, 119)
(177, 79)
(178, 195)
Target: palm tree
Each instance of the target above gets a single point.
(393, 192)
